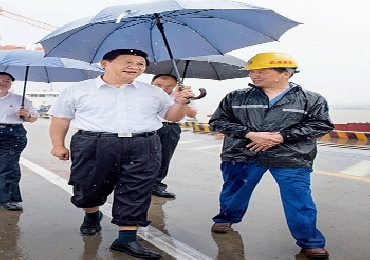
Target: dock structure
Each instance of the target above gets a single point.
(349, 135)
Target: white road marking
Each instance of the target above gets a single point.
(167, 244)
(189, 141)
(360, 169)
(51, 177)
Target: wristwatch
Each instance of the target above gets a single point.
(182, 103)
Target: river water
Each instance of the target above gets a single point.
(342, 116)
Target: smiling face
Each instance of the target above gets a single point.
(5, 84)
(123, 69)
(269, 78)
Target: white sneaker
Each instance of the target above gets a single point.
(12, 205)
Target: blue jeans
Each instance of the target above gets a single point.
(12, 142)
(241, 178)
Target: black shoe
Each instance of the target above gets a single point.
(163, 193)
(91, 227)
(12, 205)
(135, 249)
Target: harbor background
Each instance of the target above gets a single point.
(329, 49)
(341, 112)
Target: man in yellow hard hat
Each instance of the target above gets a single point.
(272, 125)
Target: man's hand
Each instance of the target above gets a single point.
(183, 93)
(262, 141)
(23, 112)
(61, 152)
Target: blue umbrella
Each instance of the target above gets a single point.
(29, 65)
(167, 30)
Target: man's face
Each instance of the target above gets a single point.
(124, 67)
(268, 77)
(5, 84)
(166, 83)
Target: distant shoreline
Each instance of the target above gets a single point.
(351, 108)
(338, 115)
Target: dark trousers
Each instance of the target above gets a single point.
(127, 166)
(170, 136)
(13, 140)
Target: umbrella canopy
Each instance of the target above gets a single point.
(217, 67)
(49, 69)
(168, 29)
(30, 65)
(188, 28)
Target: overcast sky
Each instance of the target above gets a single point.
(331, 46)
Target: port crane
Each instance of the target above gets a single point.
(24, 19)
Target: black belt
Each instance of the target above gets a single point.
(9, 125)
(169, 123)
(97, 134)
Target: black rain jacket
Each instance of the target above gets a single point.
(300, 116)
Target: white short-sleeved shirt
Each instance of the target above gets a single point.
(96, 106)
(191, 105)
(9, 106)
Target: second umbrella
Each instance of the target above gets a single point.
(216, 67)
(29, 65)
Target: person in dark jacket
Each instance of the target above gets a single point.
(169, 134)
(272, 126)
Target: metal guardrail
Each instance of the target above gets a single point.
(341, 145)
(338, 137)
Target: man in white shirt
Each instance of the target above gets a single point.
(13, 140)
(116, 147)
(169, 134)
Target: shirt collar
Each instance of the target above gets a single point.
(99, 82)
(9, 94)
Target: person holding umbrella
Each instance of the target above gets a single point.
(169, 134)
(273, 125)
(14, 111)
(116, 147)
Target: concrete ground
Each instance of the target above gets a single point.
(48, 227)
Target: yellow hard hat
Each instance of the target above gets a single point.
(270, 60)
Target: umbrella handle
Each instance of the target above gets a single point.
(202, 94)
(203, 91)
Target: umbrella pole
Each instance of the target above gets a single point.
(24, 86)
(203, 92)
(187, 62)
(161, 30)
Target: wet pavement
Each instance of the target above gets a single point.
(48, 227)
